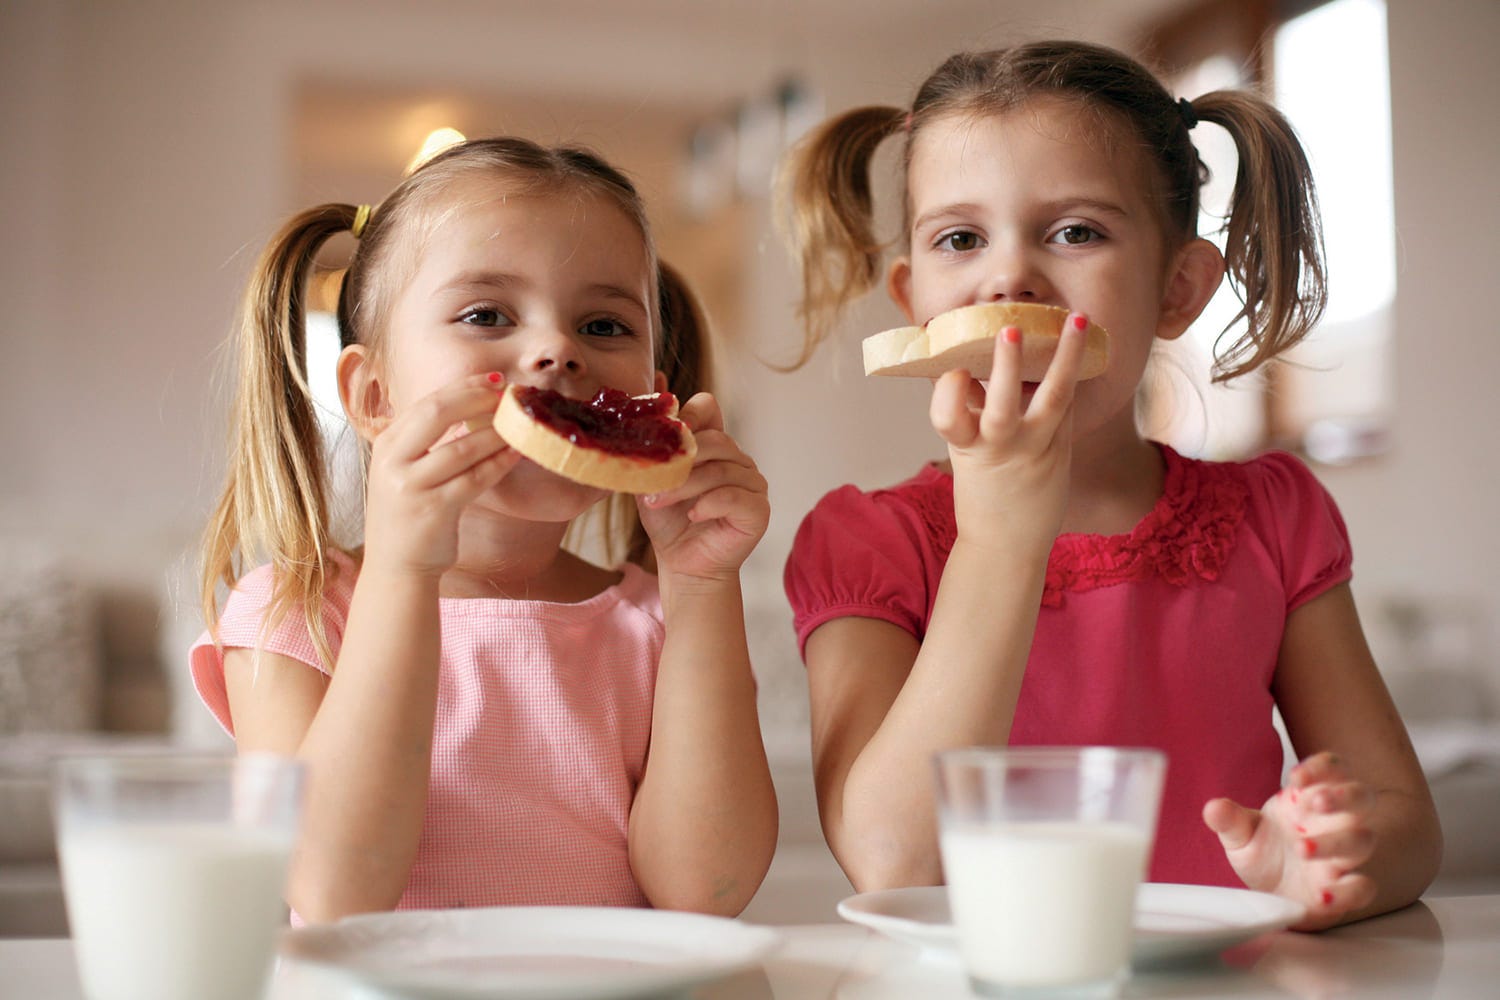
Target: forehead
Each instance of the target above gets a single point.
(1044, 144)
(556, 221)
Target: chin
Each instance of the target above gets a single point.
(531, 493)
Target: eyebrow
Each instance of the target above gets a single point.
(469, 280)
(1095, 205)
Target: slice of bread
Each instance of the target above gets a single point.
(965, 338)
(621, 469)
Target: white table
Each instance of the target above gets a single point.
(1445, 947)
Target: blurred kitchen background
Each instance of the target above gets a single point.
(152, 146)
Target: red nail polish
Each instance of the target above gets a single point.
(1301, 828)
(1308, 847)
(1012, 334)
(494, 377)
(1080, 323)
(1327, 898)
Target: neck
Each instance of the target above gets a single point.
(504, 557)
(1117, 477)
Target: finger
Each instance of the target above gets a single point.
(1351, 891)
(707, 476)
(1233, 823)
(1349, 846)
(1002, 405)
(1060, 383)
(744, 510)
(702, 413)
(420, 428)
(949, 412)
(1320, 767)
(456, 458)
(1353, 797)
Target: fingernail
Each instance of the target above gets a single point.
(1080, 322)
(494, 377)
(1012, 334)
(1327, 898)
(1301, 828)
(1308, 847)
(650, 499)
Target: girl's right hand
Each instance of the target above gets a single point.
(424, 469)
(1011, 457)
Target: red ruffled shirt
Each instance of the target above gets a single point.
(1164, 637)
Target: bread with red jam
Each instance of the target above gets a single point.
(965, 338)
(614, 441)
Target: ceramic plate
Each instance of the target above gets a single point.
(1172, 922)
(530, 953)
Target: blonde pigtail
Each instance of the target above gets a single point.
(274, 506)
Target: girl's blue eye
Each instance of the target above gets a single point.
(604, 328)
(960, 241)
(1075, 235)
(483, 316)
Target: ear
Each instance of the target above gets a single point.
(1192, 278)
(898, 285)
(363, 393)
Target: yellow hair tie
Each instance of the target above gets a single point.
(361, 219)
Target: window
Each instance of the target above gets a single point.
(1331, 397)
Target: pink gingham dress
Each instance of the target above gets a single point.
(543, 721)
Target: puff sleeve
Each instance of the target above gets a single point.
(863, 555)
(1304, 521)
(240, 627)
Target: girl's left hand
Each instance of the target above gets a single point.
(1306, 843)
(706, 527)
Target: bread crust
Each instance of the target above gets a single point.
(620, 473)
(965, 338)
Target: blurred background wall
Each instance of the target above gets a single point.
(151, 147)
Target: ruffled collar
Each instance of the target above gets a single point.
(1186, 537)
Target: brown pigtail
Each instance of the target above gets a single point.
(275, 500)
(831, 227)
(1273, 240)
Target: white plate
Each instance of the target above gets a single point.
(531, 952)
(1172, 922)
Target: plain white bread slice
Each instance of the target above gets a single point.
(965, 338)
(617, 471)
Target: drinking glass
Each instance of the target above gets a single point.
(1043, 848)
(174, 869)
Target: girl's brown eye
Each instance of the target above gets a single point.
(961, 242)
(1077, 234)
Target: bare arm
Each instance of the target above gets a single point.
(1355, 832)
(366, 735)
(882, 704)
(703, 823)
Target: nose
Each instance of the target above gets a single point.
(553, 352)
(1013, 275)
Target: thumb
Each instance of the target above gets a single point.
(1234, 824)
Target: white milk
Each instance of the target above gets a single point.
(174, 911)
(1043, 903)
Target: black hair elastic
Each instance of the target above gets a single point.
(1189, 115)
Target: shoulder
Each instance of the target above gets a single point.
(918, 506)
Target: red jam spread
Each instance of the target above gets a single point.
(613, 421)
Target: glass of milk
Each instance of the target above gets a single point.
(1043, 848)
(174, 869)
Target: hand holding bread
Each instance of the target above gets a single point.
(965, 338)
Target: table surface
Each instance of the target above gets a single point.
(1442, 947)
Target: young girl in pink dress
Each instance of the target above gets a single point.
(486, 717)
(1060, 579)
